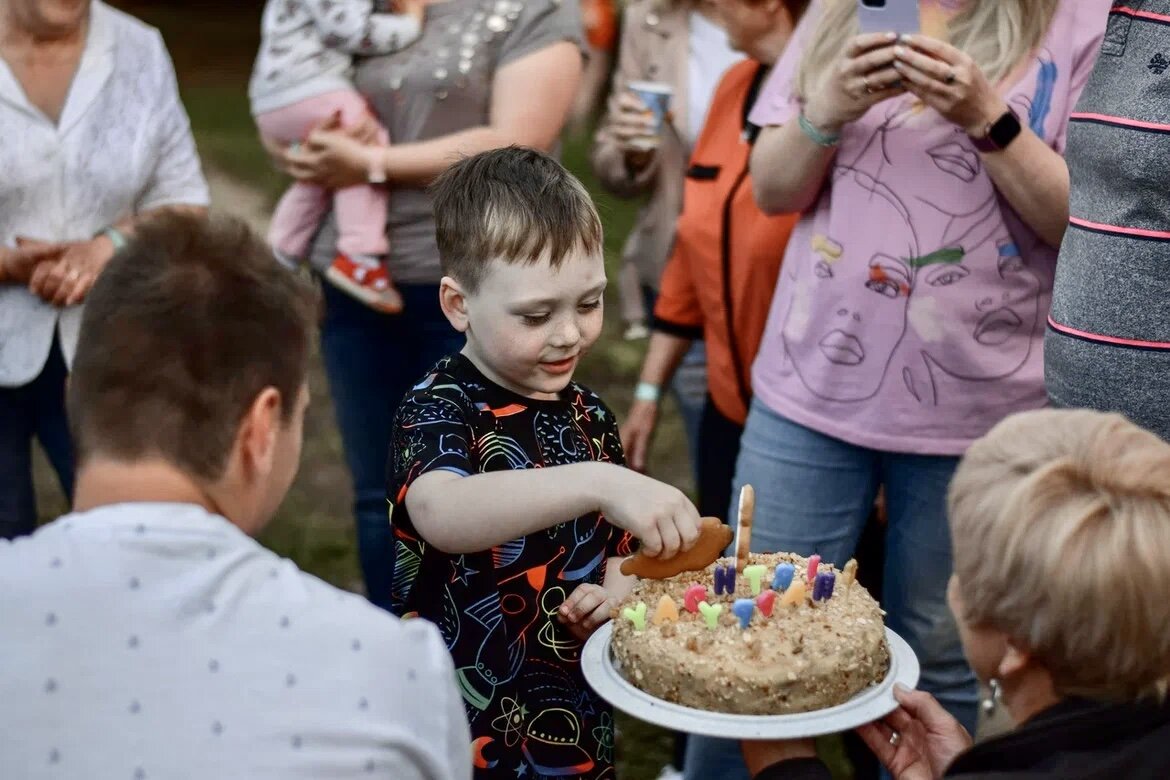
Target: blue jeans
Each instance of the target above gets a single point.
(372, 361)
(36, 409)
(814, 493)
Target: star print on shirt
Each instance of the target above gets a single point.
(522, 770)
(580, 409)
(463, 572)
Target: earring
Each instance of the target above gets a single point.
(992, 702)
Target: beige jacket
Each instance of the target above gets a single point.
(654, 47)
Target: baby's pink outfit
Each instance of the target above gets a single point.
(360, 210)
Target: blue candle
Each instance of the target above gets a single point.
(823, 587)
(724, 579)
(784, 574)
(743, 609)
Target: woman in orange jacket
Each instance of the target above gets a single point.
(719, 280)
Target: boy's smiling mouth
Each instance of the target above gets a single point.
(563, 366)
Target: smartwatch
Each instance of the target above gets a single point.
(1000, 133)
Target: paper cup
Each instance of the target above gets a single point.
(656, 97)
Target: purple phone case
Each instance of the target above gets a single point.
(900, 16)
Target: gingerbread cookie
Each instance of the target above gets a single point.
(714, 537)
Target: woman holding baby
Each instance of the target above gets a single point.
(482, 74)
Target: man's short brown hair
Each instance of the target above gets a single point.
(512, 204)
(183, 329)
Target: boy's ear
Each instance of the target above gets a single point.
(453, 301)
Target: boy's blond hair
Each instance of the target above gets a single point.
(512, 204)
(1061, 528)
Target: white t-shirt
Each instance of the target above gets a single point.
(709, 58)
(159, 641)
(122, 146)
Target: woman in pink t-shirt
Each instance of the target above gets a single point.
(909, 314)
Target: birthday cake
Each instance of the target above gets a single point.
(779, 634)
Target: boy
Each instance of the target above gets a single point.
(146, 635)
(506, 475)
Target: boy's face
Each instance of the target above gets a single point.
(528, 325)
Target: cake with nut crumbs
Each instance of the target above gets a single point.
(783, 634)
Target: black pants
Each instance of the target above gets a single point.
(36, 409)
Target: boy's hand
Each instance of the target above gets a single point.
(662, 518)
(585, 610)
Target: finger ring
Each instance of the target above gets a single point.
(865, 83)
(895, 739)
(951, 77)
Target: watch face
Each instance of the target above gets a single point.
(1005, 130)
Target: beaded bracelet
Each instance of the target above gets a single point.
(817, 136)
(117, 237)
(645, 391)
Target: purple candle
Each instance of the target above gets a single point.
(724, 579)
(823, 587)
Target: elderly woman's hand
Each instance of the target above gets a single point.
(864, 77)
(927, 738)
(948, 81)
(69, 279)
(17, 265)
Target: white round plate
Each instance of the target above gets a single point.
(871, 704)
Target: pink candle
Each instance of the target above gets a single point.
(693, 595)
(766, 601)
(814, 562)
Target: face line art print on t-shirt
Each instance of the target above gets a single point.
(919, 265)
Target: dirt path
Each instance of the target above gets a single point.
(231, 196)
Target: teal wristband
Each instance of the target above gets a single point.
(644, 391)
(816, 135)
(117, 237)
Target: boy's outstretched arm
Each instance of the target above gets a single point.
(465, 514)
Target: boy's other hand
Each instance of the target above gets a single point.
(662, 518)
(585, 610)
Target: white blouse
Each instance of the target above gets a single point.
(123, 146)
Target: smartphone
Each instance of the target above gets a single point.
(883, 16)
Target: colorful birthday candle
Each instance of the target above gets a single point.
(766, 601)
(755, 573)
(724, 579)
(814, 562)
(743, 609)
(711, 613)
(667, 611)
(795, 594)
(823, 589)
(783, 578)
(636, 615)
(694, 594)
(849, 575)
